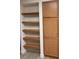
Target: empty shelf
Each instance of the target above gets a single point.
(30, 2)
(30, 37)
(30, 23)
(31, 31)
(34, 46)
(35, 1)
(31, 14)
(48, 0)
(32, 42)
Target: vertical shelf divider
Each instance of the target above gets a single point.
(41, 29)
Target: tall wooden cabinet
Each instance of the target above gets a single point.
(50, 19)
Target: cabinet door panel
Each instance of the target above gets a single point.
(50, 47)
(50, 27)
(51, 36)
(50, 9)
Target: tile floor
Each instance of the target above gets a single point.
(31, 55)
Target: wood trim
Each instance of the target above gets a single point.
(50, 17)
(52, 57)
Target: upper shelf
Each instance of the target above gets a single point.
(25, 2)
(31, 13)
(48, 0)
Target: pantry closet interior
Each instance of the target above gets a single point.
(39, 27)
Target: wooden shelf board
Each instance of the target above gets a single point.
(32, 46)
(48, 0)
(30, 30)
(36, 2)
(31, 14)
(31, 38)
(30, 22)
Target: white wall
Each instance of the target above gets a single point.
(22, 42)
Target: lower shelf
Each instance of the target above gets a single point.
(31, 31)
(32, 38)
(32, 46)
(31, 14)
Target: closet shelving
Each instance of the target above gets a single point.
(32, 23)
(33, 8)
(35, 1)
(31, 14)
(32, 42)
(31, 36)
(31, 31)
(32, 46)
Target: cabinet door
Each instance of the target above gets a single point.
(50, 9)
(51, 36)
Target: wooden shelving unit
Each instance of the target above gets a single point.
(31, 35)
(38, 33)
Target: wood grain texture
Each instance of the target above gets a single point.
(31, 14)
(50, 17)
(32, 46)
(31, 31)
(31, 23)
(31, 38)
(51, 36)
(50, 27)
(50, 9)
